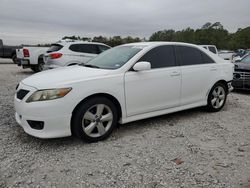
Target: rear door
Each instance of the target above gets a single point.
(157, 88)
(198, 72)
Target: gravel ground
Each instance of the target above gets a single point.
(186, 149)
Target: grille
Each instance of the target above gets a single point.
(242, 75)
(22, 93)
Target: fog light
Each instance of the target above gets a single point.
(38, 125)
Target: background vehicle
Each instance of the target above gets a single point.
(8, 51)
(68, 52)
(211, 48)
(242, 74)
(240, 54)
(226, 55)
(126, 83)
(31, 57)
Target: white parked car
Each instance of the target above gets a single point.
(124, 84)
(211, 48)
(31, 57)
(68, 52)
(226, 55)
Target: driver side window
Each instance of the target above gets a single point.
(160, 57)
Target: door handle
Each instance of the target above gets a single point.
(213, 68)
(175, 73)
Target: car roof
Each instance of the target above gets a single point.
(158, 43)
(69, 42)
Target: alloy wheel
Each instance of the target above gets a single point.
(97, 120)
(218, 97)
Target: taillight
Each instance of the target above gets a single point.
(26, 52)
(55, 55)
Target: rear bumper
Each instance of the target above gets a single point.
(51, 66)
(230, 86)
(25, 63)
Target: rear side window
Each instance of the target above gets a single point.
(55, 47)
(192, 56)
(212, 49)
(162, 56)
(206, 59)
(102, 48)
(189, 55)
(84, 48)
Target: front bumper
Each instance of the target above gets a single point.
(241, 80)
(56, 119)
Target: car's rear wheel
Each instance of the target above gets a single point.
(40, 66)
(14, 58)
(95, 119)
(217, 97)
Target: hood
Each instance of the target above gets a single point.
(63, 76)
(242, 66)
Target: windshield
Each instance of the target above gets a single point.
(114, 58)
(246, 59)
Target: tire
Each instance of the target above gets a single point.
(88, 122)
(14, 59)
(39, 67)
(217, 97)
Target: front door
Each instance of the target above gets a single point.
(155, 89)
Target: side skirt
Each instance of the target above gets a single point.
(161, 112)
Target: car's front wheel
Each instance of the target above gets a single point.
(217, 97)
(95, 119)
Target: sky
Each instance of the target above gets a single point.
(47, 21)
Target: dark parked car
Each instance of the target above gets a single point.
(8, 51)
(242, 74)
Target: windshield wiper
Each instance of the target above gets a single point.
(89, 65)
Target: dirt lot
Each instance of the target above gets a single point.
(214, 149)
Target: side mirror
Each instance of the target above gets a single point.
(142, 65)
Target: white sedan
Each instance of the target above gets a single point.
(123, 84)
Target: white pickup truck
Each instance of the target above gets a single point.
(31, 57)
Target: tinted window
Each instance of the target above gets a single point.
(162, 56)
(206, 59)
(189, 55)
(103, 48)
(84, 48)
(54, 48)
(212, 49)
(74, 48)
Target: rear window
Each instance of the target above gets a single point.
(212, 49)
(55, 47)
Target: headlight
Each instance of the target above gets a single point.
(48, 94)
